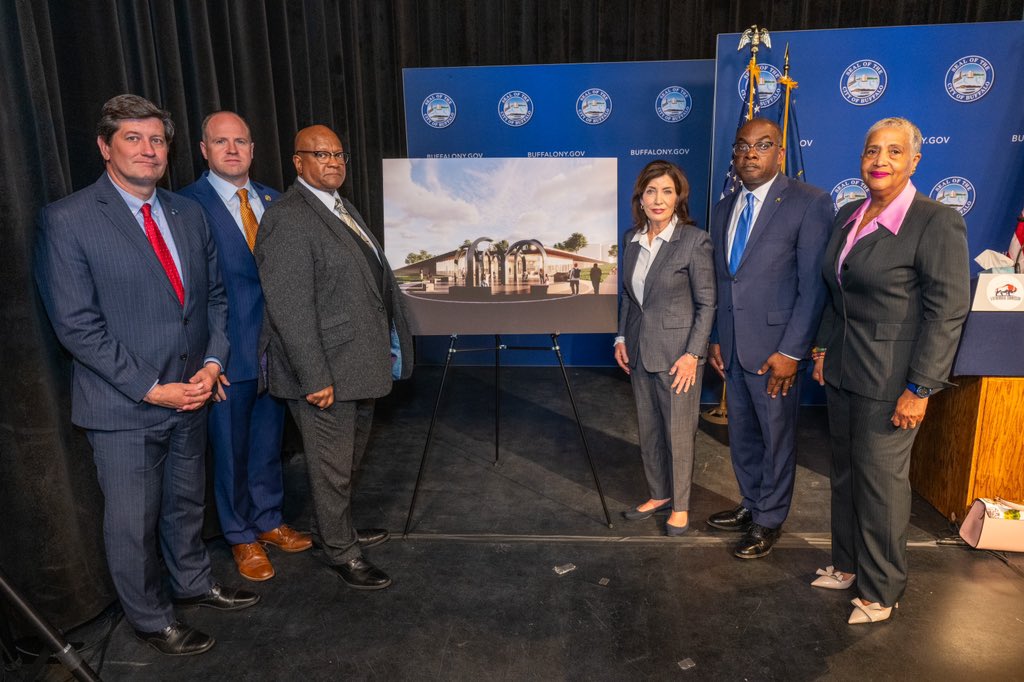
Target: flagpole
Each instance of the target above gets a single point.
(753, 76)
(790, 85)
(755, 36)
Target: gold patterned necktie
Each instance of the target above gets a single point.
(249, 222)
(346, 218)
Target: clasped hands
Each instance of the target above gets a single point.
(206, 384)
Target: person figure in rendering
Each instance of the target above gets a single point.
(574, 279)
(595, 278)
(769, 238)
(128, 274)
(898, 280)
(245, 429)
(666, 310)
(335, 335)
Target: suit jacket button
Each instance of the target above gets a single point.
(846, 266)
(183, 357)
(185, 321)
(380, 308)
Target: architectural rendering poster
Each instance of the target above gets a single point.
(504, 245)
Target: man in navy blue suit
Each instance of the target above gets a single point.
(128, 275)
(245, 429)
(769, 238)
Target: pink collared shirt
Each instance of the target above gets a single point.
(891, 219)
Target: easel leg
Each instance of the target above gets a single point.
(497, 397)
(583, 436)
(430, 433)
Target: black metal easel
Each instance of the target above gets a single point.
(498, 347)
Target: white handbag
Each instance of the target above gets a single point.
(994, 524)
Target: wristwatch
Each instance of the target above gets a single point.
(919, 391)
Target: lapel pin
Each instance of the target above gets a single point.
(174, 211)
(266, 197)
(778, 200)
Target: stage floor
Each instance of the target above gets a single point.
(476, 597)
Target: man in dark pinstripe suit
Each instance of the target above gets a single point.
(128, 274)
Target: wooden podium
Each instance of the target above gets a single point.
(971, 444)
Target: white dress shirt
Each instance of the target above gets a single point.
(741, 201)
(648, 252)
(329, 199)
(228, 193)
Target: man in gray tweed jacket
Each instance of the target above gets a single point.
(335, 336)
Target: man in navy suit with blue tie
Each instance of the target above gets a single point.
(769, 238)
(128, 275)
(246, 428)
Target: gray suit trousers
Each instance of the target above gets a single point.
(668, 426)
(334, 441)
(870, 493)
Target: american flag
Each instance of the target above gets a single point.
(1017, 243)
(732, 180)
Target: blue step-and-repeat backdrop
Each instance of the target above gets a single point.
(635, 112)
(963, 85)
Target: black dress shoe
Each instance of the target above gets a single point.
(737, 520)
(369, 537)
(360, 574)
(635, 514)
(676, 531)
(757, 542)
(177, 639)
(222, 598)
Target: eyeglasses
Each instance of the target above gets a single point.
(322, 156)
(741, 148)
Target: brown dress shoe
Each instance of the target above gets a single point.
(286, 539)
(252, 562)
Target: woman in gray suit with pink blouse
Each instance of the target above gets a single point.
(897, 274)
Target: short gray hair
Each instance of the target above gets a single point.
(913, 132)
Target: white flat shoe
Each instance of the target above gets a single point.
(831, 579)
(869, 613)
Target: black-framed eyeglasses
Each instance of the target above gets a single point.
(741, 148)
(323, 156)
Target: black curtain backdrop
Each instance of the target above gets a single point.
(283, 64)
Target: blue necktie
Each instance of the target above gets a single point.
(739, 240)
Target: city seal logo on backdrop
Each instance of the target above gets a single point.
(515, 108)
(850, 189)
(969, 78)
(863, 82)
(768, 90)
(438, 110)
(673, 104)
(594, 106)
(955, 192)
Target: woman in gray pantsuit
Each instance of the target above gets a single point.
(899, 284)
(666, 311)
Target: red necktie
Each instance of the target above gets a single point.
(162, 252)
